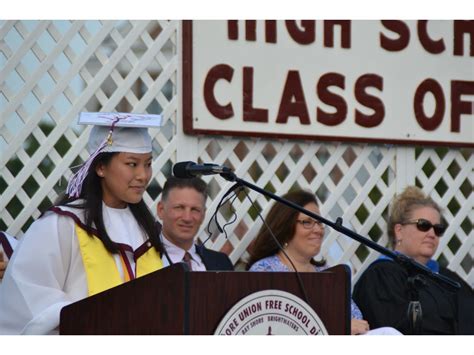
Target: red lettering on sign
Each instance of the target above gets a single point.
(460, 29)
(433, 87)
(370, 101)
(301, 31)
(251, 30)
(331, 99)
(251, 114)
(218, 72)
(458, 106)
(293, 102)
(429, 44)
(307, 35)
(397, 44)
(329, 26)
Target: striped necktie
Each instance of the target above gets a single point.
(187, 259)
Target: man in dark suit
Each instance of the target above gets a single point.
(182, 210)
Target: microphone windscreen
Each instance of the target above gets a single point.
(180, 169)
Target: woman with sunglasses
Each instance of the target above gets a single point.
(301, 238)
(383, 292)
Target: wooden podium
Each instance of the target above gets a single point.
(175, 301)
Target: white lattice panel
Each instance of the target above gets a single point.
(52, 70)
(61, 68)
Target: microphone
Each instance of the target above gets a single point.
(189, 169)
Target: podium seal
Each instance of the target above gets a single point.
(271, 312)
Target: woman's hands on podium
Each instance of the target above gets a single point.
(359, 326)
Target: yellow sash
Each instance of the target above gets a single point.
(101, 270)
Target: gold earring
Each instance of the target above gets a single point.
(285, 245)
(399, 241)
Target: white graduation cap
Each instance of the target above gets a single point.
(123, 119)
(113, 132)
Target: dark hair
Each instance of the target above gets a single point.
(92, 195)
(180, 183)
(281, 220)
(403, 206)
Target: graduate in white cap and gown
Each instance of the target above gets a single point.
(100, 235)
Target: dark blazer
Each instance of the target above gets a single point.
(214, 260)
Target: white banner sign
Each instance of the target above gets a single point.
(407, 82)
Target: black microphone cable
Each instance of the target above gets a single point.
(224, 199)
(298, 276)
(222, 229)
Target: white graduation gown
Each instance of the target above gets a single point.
(46, 271)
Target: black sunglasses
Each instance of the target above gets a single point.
(424, 225)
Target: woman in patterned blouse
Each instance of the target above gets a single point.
(301, 237)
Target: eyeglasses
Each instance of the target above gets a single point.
(424, 225)
(309, 223)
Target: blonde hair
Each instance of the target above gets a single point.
(403, 206)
